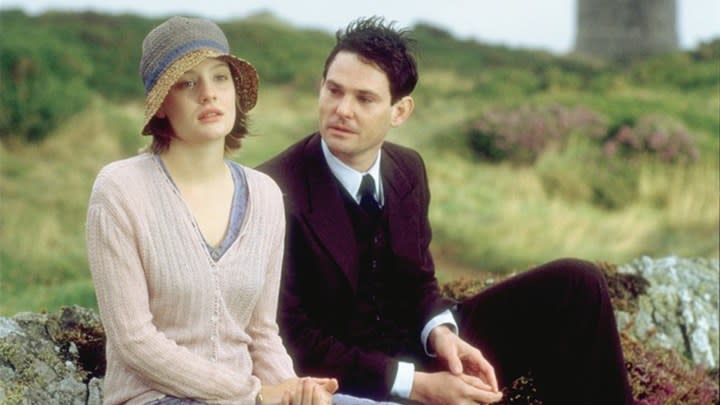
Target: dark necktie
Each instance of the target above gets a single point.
(367, 195)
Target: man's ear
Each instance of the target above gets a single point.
(401, 111)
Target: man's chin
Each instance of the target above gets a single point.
(337, 142)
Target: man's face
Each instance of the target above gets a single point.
(355, 110)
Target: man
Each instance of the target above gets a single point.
(360, 301)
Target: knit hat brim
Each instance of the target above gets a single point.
(244, 75)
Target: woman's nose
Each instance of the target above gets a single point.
(207, 92)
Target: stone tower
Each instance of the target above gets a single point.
(626, 29)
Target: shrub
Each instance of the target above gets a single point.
(654, 136)
(42, 80)
(692, 70)
(521, 135)
(660, 376)
(576, 156)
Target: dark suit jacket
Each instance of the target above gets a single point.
(321, 264)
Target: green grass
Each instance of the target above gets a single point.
(44, 189)
(495, 217)
(499, 217)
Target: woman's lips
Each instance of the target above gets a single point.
(210, 115)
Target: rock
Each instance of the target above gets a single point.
(59, 358)
(55, 358)
(679, 308)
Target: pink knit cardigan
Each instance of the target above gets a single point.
(177, 322)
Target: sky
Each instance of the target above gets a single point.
(546, 24)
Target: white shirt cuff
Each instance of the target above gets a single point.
(444, 318)
(402, 387)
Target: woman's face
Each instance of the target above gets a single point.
(200, 106)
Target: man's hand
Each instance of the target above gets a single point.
(444, 388)
(461, 357)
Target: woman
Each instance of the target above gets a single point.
(185, 246)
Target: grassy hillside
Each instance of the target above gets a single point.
(71, 101)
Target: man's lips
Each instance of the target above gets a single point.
(341, 129)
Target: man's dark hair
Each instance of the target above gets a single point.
(380, 43)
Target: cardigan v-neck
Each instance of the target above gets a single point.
(237, 209)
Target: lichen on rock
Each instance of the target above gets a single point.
(47, 358)
(679, 309)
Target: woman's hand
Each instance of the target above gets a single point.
(300, 391)
(311, 391)
(329, 384)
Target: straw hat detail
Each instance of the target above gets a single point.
(179, 44)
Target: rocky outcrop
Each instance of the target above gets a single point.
(52, 359)
(679, 308)
(670, 304)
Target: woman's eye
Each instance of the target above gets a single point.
(222, 77)
(185, 84)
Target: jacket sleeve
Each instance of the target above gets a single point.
(315, 349)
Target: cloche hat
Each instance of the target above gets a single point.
(179, 44)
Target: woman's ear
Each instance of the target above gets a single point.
(401, 111)
(161, 113)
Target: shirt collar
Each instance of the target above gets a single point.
(351, 178)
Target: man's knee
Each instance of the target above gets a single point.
(578, 277)
(578, 270)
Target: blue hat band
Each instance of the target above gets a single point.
(177, 53)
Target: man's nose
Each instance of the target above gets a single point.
(344, 107)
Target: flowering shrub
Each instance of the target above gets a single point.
(660, 376)
(521, 135)
(556, 138)
(651, 135)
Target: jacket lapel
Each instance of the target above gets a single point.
(326, 214)
(402, 209)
